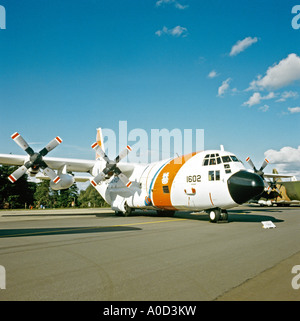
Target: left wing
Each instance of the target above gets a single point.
(72, 164)
(13, 160)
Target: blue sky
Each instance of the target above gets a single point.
(68, 67)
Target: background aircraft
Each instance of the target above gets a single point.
(276, 191)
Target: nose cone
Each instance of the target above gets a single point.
(243, 186)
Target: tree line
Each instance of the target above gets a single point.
(26, 194)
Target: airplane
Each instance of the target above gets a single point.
(276, 192)
(290, 190)
(211, 180)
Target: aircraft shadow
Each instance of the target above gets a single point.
(63, 231)
(232, 217)
(60, 214)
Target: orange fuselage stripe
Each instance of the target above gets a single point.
(161, 198)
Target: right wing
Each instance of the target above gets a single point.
(266, 175)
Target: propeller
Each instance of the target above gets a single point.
(258, 171)
(35, 161)
(111, 166)
(274, 184)
(269, 186)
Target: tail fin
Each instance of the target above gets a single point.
(99, 140)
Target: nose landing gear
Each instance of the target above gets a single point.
(218, 215)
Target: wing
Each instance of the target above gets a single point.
(14, 160)
(278, 176)
(73, 165)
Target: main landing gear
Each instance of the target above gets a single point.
(127, 211)
(217, 215)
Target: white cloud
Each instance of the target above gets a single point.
(256, 98)
(175, 2)
(294, 110)
(176, 31)
(287, 94)
(241, 45)
(224, 87)
(253, 100)
(279, 75)
(287, 160)
(285, 155)
(212, 74)
(264, 108)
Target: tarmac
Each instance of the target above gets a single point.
(93, 255)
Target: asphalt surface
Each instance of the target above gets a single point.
(94, 255)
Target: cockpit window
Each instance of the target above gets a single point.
(212, 161)
(234, 158)
(226, 159)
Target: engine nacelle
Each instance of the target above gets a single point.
(65, 182)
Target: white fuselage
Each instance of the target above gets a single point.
(193, 182)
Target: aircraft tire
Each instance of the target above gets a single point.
(128, 210)
(214, 215)
(224, 215)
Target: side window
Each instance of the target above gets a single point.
(227, 168)
(214, 175)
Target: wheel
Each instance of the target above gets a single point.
(128, 210)
(224, 215)
(214, 215)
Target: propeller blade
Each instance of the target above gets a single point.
(99, 178)
(264, 164)
(51, 174)
(249, 161)
(51, 145)
(17, 173)
(22, 143)
(123, 153)
(125, 180)
(269, 189)
(100, 151)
